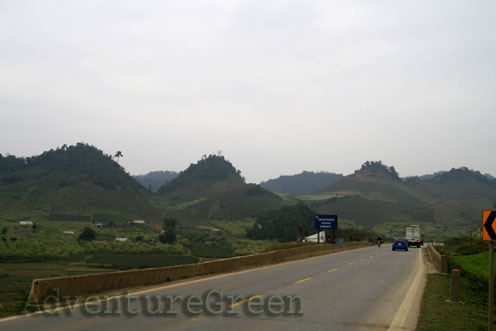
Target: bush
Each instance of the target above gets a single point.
(88, 234)
(284, 224)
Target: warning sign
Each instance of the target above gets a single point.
(488, 225)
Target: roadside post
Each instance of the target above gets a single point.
(325, 222)
(489, 234)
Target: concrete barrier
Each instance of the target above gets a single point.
(97, 283)
(440, 261)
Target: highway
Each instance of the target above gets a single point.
(363, 289)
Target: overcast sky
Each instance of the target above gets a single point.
(277, 86)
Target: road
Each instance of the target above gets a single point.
(363, 289)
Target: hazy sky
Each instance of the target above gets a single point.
(277, 86)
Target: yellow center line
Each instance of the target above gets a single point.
(361, 260)
(371, 256)
(351, 262)
(303, 280)
(244, 301)
(333, 269)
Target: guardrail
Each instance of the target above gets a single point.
(440, 261)
(97, 283)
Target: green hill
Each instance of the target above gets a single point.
(304, 183)
(213, 189)
(75, 180)
(376, 194)
(376, 181)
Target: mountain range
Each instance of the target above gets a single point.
(74, 182)
(155, 179)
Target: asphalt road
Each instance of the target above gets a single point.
(354, 290)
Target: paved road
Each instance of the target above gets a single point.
(354, 290)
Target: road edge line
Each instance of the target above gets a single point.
(399, 320)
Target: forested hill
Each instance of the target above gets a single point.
(375, 194)
(213, 188)
(155, 179)
(304, 183)
(75, 180)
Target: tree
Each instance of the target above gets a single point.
(4, 230)
(88, 234)
(34, 227)
(118, 154)
(169, 231)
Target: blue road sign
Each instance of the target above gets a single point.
(326, 222)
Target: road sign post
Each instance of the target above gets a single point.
(491, 286)
(325, 222)
(489, 234)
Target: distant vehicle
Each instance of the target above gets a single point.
(400, 243)
(414, 236)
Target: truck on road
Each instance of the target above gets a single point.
(414, 236)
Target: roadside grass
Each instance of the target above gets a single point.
(475, 263)
(437, 314)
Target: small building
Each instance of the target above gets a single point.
(136, 222)
(69, 232)
(121, 239)
(26, 223)
(99, 225)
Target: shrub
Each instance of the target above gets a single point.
(88, 234)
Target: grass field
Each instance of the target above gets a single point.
(475, 263)
(16, 279)
(183, 205)
(307, 197)
(122, 261)
(437, 314)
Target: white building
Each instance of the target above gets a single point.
(136, 222)
(313, 238)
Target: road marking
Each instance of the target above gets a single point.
(303, 280)
(244, 301)
(351, 262)
(400, 318)
(371, 256)
(361, 260)
(333, 269)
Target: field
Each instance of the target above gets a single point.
(51, 249)
(477, 264)
(219, 239)
(16, 279)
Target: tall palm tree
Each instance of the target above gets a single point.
(118, 155)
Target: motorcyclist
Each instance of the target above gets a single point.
(379, 241)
